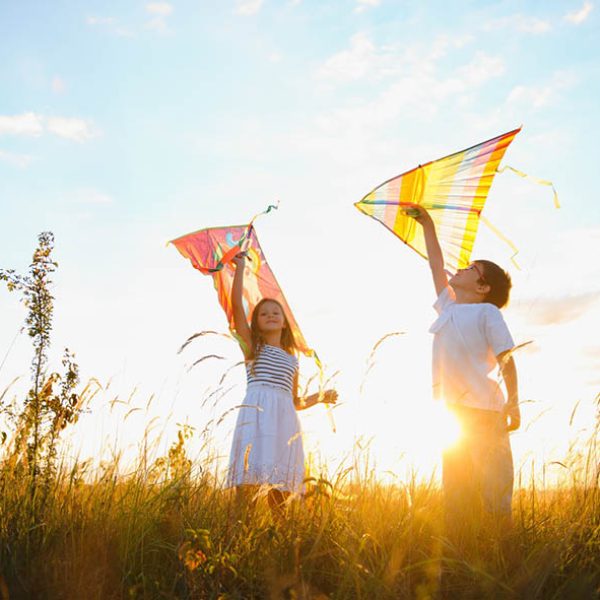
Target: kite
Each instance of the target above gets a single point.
(453, 189)
(211, 251)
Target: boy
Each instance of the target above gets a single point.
(470, 340)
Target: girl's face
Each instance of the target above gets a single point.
(270, 317)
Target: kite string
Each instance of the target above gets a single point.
(321, 391)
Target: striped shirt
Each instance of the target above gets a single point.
(273, 366)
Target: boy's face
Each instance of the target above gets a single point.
(471, 279)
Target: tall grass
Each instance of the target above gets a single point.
(168, 529)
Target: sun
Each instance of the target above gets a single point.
(396, 437)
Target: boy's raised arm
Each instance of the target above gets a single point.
(434, 252)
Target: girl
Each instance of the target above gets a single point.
(267, 441)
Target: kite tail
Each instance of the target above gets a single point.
(534, 179)
(228, 256)
(264, 212)
(319, 364)
(510, 244)
(240, 246)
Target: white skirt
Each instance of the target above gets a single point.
(267, 441)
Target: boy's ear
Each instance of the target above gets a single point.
(484, 288)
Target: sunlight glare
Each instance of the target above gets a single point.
(446, 426)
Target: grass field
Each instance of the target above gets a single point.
(169, 530)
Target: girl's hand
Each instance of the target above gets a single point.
(329, 397)
(326, 397)
(239, 260)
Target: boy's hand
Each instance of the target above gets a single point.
(417, 212)
(512, 412)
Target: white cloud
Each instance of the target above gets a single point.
(92, 196)
(157, 24)
(74, 129)
(28, 124)
(562, 255)
(164, 9)
(160, 12)
(542, 95)
(533, 25)
(364, 60)
(248, 7)
(551, 311)
(16, 160)
(401, 84)
(362, 5)
(443, 43)
(521, 23)
(481, 69)
(100, 21)
(579, 16)
(351, 64)
(416, 87)
(34, 125)
(109, 23)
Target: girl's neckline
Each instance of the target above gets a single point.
(272, 346)
(280, 349)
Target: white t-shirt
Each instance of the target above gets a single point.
(467, 340)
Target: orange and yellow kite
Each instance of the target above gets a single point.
(211, 251)
(453, 189)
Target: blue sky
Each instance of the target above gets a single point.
(124, 125)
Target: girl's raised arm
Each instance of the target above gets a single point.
(239, 316)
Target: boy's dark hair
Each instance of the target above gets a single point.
(498, 280)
